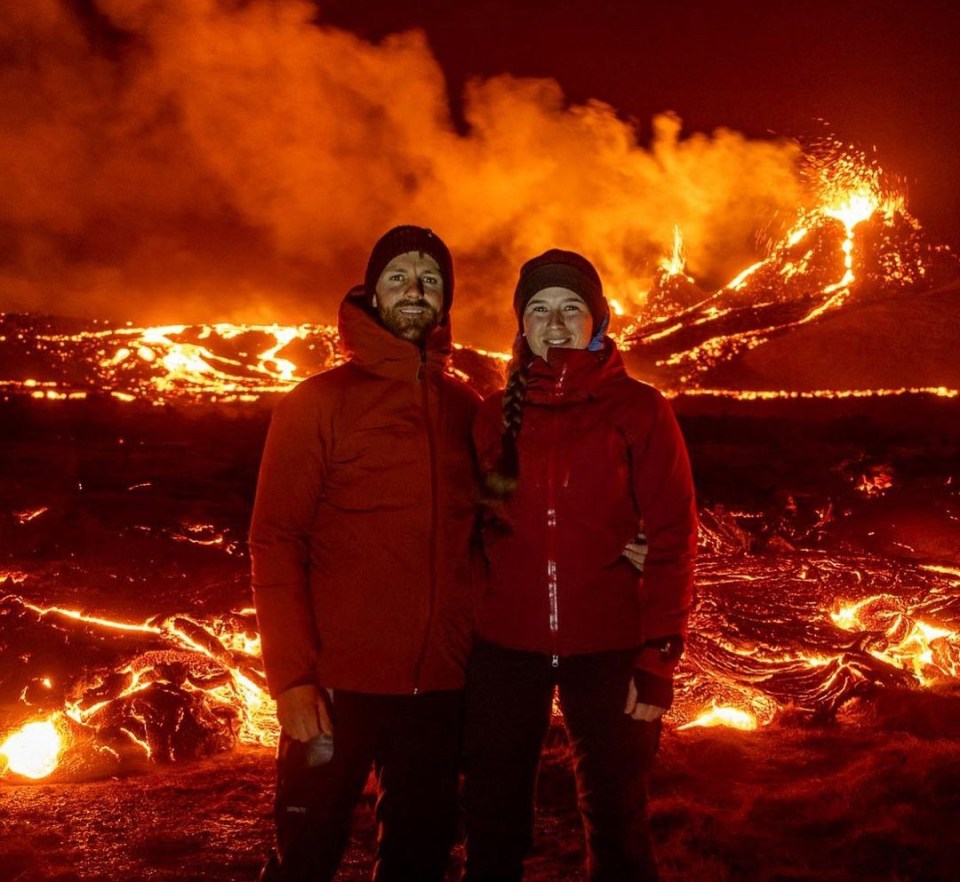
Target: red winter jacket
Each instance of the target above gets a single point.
(363, 520)
(600, 454)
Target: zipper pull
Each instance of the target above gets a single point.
(555, 661)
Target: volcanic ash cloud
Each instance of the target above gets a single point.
(187, 160)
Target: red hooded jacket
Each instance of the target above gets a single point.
(600, 456)
(363, 519)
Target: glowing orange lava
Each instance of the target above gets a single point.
(927, 650)
(731, 717)
(856, 242)
(219, 639)
(33, 751)
(676, 263)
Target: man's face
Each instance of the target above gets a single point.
(409, 295)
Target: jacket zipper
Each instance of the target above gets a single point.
(552, 584)
(434, 509)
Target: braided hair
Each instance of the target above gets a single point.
(553, 268)
(502, 480)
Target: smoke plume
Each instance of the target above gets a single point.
(195, 160)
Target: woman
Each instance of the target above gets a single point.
(577, 456)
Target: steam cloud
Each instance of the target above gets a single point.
(224, 161)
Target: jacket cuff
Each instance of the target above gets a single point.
(661, 655)
(652, 689)
(305, 680)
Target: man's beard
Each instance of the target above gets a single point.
(410, 327)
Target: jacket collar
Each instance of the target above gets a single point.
(572, 375)
(370, 345)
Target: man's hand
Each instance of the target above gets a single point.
(637, 710)
(302, 712)
(636, 551)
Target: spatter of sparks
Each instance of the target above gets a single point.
(852, 192)
(676, 263)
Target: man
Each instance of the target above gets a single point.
(360, 550)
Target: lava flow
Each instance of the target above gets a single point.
(175, 687)
(858, 245)
(182, 364)
(87, 691)
(223, 363)
(808, 632)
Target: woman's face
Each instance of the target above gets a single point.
(556, 317)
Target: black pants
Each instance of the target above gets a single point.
(509, 705)
(413, 743)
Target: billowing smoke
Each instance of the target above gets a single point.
(195, 160)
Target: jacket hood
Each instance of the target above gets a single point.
(573, 374)
(369, 343)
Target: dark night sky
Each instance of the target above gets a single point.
(881, 75)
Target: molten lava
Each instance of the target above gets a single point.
(32, 751)
(676, 264)
(731, 717)
(856, 243)
(181, 667)
(807, 631)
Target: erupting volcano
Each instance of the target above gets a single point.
(213, 173)
(854, 300)
(851, 301)
(89, 690)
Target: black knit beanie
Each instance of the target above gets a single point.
(406, 238)
(562, 269)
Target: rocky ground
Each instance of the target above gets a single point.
(144, 513)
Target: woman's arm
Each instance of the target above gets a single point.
(663, 488)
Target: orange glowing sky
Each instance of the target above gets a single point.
(882, 74)
(197, 161)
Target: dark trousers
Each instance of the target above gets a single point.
(509, 705)
(413, 743)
